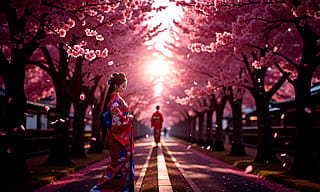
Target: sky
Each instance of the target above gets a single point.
(158, 68)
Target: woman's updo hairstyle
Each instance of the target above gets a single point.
(115, 79)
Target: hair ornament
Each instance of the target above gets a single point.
(109, 81)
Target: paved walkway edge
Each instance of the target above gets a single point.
(184, 174)
(143, 172)
(266, 183)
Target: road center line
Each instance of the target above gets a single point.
(164, 183)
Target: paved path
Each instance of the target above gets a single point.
(178, 169)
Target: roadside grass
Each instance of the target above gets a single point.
(276, 172)
(43, 174)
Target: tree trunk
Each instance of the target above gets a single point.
(305, 162)
(77, 146)
(265, 150)
(218, 143)
(237, 147)
(13, 162)
(59, 152)
(209, 128)
(193, 130)
(96, 145)
(185, 129)
(201, 127)
(190, 128)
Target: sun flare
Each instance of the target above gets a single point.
(158, 89)
(158, 68)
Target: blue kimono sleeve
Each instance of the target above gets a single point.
(106, 118)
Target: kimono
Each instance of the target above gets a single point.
(156, 123)
(119, 175)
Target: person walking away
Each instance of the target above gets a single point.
(156, 124)
(165, 132)
(119, 175)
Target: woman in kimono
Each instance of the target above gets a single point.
(156, 123)
(119, 175)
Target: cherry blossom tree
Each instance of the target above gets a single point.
(20, 34)
(23, 27)
(211, 66)
(288, 33)
(89, 68)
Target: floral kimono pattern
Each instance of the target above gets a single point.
(119, 175)
(156, 123)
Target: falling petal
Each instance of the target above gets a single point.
(208, 147)
(283, 155)
(90, 112)
(248, 169)
(307, 110)
(47, 108)
(82, 96)
(15, 129)
(62, 120)
(282, 116)
(147, 135)
(202, 147)
(53, 122)
(287, 143)
(2, 133)
(26, 114)
(189, 147)
(275, 135)
(52, 170)
(23, 128)
(284, 164)
(85, 120)
(110, 63)
(93, 139)
(267, 162)
(67, 119)
(9, 100)
(9, 150)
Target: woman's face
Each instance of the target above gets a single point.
(121, 88)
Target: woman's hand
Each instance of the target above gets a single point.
(131, 117)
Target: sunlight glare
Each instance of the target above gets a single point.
(158, 68)
(158, 89)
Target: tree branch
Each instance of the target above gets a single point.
(287, 58)
(277, 86)
(49, 59)
(245, 59)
